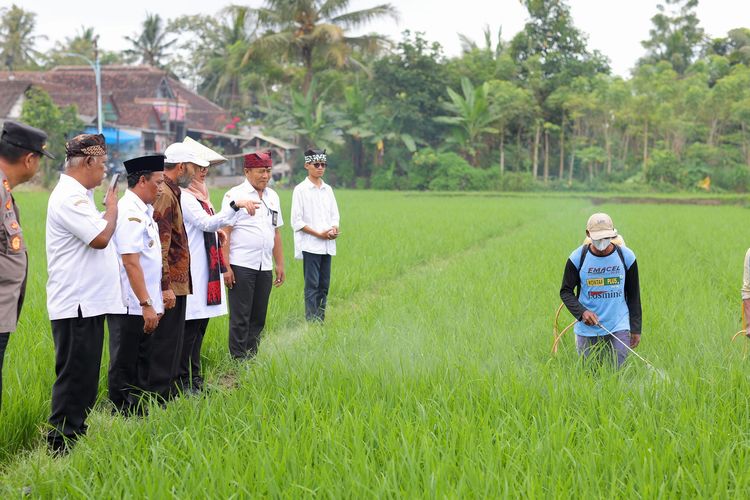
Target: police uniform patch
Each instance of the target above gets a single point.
(15, 243)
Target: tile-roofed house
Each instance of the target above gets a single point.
(142, 85)
(11, 97)
(144, 109)
(139, 100)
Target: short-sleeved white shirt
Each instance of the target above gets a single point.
(138, 233)
(252, 239)
(315, 207)
(198, 221)
(79, 276)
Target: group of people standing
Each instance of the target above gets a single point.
(153, 265)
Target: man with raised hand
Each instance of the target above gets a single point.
(138, 245)
(21, 150)
(207, 265)
(315, 220)
(608, 298)
(254, 246)
(176, 284)
(83, 285)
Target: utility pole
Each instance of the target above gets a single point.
(98, 79)
(98, 76)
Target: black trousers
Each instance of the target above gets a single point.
(248, 305)
(4, 338)
(165, 349)
(317, 270)
(128, 361)
(190, 360)
(78, 357)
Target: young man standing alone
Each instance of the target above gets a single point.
(315, 220)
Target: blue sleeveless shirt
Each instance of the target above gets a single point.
(603, 290)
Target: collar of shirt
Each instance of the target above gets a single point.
(251, 189)
(138, 202)
(70, 184)
(311, 185)
(173, 186)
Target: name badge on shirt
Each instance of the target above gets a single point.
(274, 217)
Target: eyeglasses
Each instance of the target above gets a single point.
(319, 165)
(202, 169)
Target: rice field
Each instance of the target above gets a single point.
(432, 376)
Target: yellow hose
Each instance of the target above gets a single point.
(744, 330)
(556, 328)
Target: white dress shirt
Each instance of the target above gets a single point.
(79, 276)
(197, 222)
(138, 233)
(315, 207)
(252, 239)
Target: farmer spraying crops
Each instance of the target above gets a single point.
(607, 301)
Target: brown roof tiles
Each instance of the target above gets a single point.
(132, 91)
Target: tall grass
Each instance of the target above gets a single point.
(432, 376)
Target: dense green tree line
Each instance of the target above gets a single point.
(538, 110)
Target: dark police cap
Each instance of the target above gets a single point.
(151, 163)
(25, 137)
(86, 145)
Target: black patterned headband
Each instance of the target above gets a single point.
(316, 158)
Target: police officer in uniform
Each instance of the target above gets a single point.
(138, 245)
(21, 149)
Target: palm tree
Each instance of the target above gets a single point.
(307, 29)
(307, 117)
(16, 37)
(471, 117)
(494, 50)
(228, 57)
(83, 43)
(150, 46)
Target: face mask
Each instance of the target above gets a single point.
(602, 244)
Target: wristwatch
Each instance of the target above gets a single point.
(234, 206)
(147, 302)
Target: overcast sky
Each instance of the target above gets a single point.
(615, 27)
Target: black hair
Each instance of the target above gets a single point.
(12, 153)
(136, 176)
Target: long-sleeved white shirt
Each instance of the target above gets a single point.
(315, 207)
(198, 221)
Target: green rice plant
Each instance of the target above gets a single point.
(432, 375)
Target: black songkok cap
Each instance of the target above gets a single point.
(86, 145)
(25, 137)
(316, 156)
(151, 163)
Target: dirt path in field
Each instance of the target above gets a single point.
(665, 201)
(599, 200)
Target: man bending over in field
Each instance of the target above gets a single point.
(608, 295)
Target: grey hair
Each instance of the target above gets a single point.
(74, 162)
